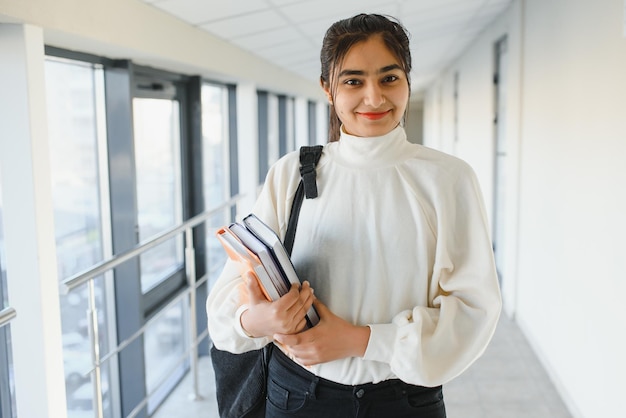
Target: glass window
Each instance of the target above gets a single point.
(216, 168)
(159, 193)
(165, 346)
(157, 146)
(74, 163)
(312, 110)
(215, 144)
(75, 98)
(291, 124)
(273, 152)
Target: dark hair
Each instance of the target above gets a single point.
(344, 34)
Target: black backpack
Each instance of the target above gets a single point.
(241, 379)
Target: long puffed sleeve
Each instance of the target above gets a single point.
(430, 345)
(224, 305)
(224, 308)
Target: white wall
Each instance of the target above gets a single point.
(29, 226)
(573, 199)
(565, 268)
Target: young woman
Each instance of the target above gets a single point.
(396, 246)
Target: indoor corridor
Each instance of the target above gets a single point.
(508, 381)
(131, 131)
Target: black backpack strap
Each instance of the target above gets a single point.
(309, 157)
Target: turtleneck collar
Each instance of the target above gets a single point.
(374, 151)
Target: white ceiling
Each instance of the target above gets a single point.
(289, 32)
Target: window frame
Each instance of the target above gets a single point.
(168, 86)
(132, 308)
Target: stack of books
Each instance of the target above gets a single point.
(257, 248)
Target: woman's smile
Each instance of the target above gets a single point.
(374, 115)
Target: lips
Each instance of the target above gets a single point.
(374, 115)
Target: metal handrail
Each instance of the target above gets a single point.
(88, 276)
(125, 343)
(97, 269)
(6, 315)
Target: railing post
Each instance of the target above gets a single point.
(190, 268)
(88, 276)
(96, 376)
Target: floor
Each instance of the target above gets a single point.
(506, 382)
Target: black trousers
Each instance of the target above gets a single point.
(294, 392)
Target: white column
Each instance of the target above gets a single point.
(321, 117)
(29, 225)
(432, 116)
(302, 121)
(248, 145)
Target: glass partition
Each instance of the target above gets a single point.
(216, 168)
(75, 99)
(159, 194)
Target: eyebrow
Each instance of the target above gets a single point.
(385, 69)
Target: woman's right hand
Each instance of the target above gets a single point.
(283, 316)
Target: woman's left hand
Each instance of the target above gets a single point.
(331, 339)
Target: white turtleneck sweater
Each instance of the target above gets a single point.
(398, 240)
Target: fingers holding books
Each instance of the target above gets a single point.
(300, 307)
(253, 289)
(333, 338)
(283, 316)
(289, 311)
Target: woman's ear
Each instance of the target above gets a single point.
(326, 89)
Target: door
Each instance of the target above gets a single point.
(500, 152)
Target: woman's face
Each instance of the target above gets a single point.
(372, 90)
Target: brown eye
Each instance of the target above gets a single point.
(390, 78)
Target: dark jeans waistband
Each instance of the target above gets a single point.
(324, 388)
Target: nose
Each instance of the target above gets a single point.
(373, 96)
